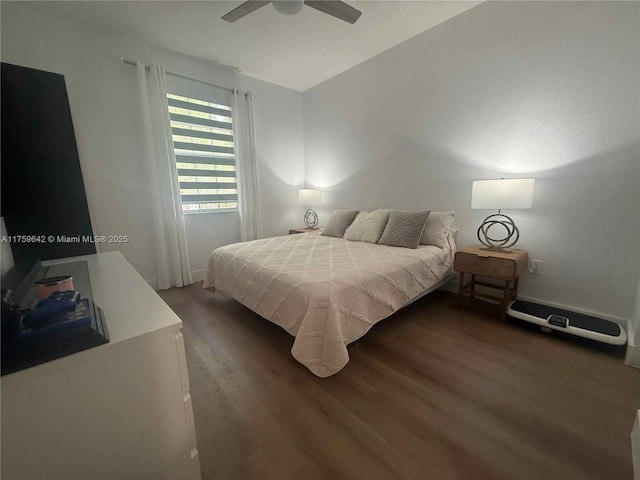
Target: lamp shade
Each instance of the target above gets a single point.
(309, 197)
(513, 193)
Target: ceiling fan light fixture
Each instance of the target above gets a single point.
(288, 7)
(335, 8)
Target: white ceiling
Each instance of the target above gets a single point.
(297, 52)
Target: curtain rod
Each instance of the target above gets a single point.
(232, 90)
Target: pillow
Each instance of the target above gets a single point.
(435, 231)
(338, 222)
(404, 229)
(368, 226)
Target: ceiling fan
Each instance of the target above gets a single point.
(335, 8)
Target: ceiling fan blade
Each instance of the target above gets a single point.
(336, 8)
(244, 9)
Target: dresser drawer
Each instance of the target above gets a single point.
(195, 464)
(191, 426)
(502, 266)
(182, 363)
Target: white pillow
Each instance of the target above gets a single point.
(435, 231)
(368, 226)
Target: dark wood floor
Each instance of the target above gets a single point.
(437, 391)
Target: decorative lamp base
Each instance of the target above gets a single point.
(510, 238)
(311, 218)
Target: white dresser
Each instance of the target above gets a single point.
(117, 411)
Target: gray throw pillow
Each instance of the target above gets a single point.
(368, 226)
(338, 222)
(404, 229)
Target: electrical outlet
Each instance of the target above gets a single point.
(536, 267)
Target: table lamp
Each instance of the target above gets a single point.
(308, 198)
(503, 194)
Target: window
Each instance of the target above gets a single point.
(202, 133)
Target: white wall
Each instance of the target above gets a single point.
(548, 90)
(104, 106)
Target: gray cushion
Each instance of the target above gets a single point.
(437, 229)
(404, 229)
(338, 222)
(368, 226)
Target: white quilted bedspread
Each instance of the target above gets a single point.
(325, 291)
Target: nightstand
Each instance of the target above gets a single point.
(505, 266)
(301, 230)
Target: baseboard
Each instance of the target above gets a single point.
(198, 275)
(633, 355)
(453, 286)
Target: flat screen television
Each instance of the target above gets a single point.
(43, 199)
(44, 216)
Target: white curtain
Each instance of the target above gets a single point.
(248, 188)
(168, 219)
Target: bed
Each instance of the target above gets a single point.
(325, 291)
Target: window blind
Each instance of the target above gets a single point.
(202, 134)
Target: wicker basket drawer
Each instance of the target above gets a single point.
(503, 266)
